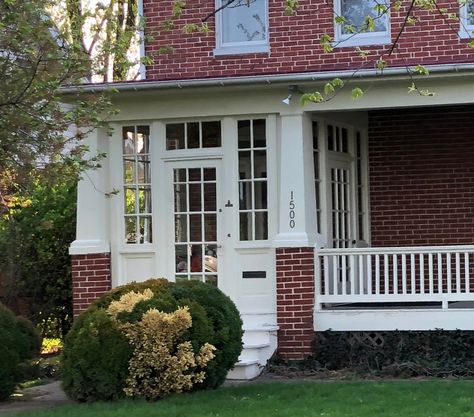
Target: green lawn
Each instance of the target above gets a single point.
(349, 399)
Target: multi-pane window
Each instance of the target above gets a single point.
(361, 214)
(317, 175)
(193, 135)
(337, 139)
(195, 223)
(137, 184)
(361, 22)
(253, 202)
(467, 19)
(242, 26)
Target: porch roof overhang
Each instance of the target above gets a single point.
(272, 79)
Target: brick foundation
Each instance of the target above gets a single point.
(91, 277)
(295, 301)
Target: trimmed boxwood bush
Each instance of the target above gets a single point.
(96, 353)
(19, 341)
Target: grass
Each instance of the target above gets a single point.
(440, 398)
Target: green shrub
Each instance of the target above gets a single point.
(215, 320)
(19, 342)
(95, 358)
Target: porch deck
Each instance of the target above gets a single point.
(404, 288)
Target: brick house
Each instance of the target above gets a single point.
(347, 214)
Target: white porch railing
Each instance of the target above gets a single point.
(394, 275)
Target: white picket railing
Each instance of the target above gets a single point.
(394, 275)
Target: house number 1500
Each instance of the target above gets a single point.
(291, 213)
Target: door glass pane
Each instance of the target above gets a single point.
(181, 228)
(261, 225)
(210, 197)
(210, 228)
(196, 229)
(194, 197)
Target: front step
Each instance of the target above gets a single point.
(259, 345)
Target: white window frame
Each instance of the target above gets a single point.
(237, 48)
(466, 30)
(342, 40)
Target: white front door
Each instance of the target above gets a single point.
(196, 219)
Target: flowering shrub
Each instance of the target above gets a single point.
(165, 337)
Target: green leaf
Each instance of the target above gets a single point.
(315, 97)
(328, 88)
(356, 93)
(420, 69)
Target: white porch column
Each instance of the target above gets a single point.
(92, 230)
(297, 206)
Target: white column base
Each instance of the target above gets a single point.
(84, 247)
(292, 240)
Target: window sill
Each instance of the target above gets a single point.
(359, 40)
(241, 50)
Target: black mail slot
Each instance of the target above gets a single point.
(254, 274)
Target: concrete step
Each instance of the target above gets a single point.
(245, 370)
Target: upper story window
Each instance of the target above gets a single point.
(467, 19)
(241, 27)
(361, 22)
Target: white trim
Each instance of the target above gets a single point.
(242, 49)
(399, 319)
(239, 48)
(141, 34)
(85, 247)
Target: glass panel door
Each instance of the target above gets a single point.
(195, 220)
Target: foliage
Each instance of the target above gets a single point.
(19, 342)
(215, 321)
(95, 358)
(439, 398)
(35, 235)
(402, 353)
(160, 365)
(51, 345)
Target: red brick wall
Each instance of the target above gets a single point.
(295, 301)
(421, 165)
(91, 277)
(295, 42)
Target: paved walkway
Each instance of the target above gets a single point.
(35, 398)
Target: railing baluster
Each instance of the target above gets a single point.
(326, 274)
(466, 273)
(412, 275)
(404, 273)
(395, 274)
(361, 259)
(377, 274)
(385, 274)
(430, 273)
(457, 257)
(352, 271)
(448, 272)
(422, 273)
(440, 273)
(335, 274)
(344, 274)
(369, 274)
